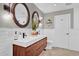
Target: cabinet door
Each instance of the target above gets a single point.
(40, 46)
(18, 50)
(62, 26)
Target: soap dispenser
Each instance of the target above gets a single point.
(15, 36)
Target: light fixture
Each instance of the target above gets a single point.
(6, 15)
(7, 6)
(40, 18)
(40, 25)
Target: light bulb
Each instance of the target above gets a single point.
(40, 18)
(6, 15)
(40, 25)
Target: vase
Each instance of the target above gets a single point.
(34, 32)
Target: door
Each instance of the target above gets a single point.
(62, 25)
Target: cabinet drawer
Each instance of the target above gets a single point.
(40, 49)
(29, 53)
(37, 45)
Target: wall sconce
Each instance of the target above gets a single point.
(40, 20)
(40, 25)
(7, 7)
(6, 13)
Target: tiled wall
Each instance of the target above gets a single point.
(5, 42)
(6, 39)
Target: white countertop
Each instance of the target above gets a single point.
(28, 40)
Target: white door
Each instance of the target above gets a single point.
(62, 25)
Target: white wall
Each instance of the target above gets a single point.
(5, 42)
(74, 38)
(50, 36)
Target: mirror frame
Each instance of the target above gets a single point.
(35, 12)
(14, 17)
(37, 16)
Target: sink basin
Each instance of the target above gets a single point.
(28, 40)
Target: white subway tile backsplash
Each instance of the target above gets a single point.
(7, 36)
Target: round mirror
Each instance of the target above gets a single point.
(21, 14)
(35, 20)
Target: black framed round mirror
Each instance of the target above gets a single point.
(35, 20)
(21, 14)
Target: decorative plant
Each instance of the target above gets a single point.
(34, 25)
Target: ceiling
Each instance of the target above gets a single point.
(52, 7)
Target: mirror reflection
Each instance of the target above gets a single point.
(35, 20)
(21, 15)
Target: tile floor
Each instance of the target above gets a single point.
(59, 52)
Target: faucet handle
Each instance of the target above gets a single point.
(24, 35)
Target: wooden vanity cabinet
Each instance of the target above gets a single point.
(32, 50)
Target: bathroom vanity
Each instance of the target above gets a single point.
(30, 46)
